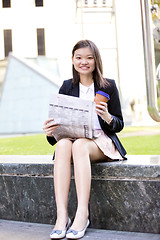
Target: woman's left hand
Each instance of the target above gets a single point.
(102, 111)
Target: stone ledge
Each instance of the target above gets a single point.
(138, 166)
(124, 195)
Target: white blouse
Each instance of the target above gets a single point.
(87, 93)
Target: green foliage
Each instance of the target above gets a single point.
(155, 2)
(158, 102)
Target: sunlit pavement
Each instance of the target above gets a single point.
(33, 231)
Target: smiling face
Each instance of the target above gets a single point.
(83, 61)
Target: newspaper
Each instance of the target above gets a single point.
(74, 116)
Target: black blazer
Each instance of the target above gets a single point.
(114, 108)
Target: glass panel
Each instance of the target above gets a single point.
(39, 3)
(155, 10)
(150, 25)
(7, 42)
(6, 3)
(40, 41)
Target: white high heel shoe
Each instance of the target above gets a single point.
(59, 234)
(73, 234)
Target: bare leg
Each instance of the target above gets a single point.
(62, 176)
(83, 151)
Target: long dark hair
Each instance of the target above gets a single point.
(98, 71)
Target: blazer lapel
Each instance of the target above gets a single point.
(75, 90)
(96, 88)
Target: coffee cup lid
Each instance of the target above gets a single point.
(103, 94)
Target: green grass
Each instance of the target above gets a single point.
(38, 145)
(142, 145)
(26, 145)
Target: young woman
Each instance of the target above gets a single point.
(87, 80)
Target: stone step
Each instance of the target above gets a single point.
(124, 195)
(33, 231)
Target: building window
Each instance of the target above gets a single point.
(39, 3)
(40, 41)
(7, 42)
(6, 3)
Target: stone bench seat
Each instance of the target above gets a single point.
(125, 195)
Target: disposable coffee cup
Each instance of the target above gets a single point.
(101, 97)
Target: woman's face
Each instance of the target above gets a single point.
(83, 61)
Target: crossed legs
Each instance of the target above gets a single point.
(82, 151)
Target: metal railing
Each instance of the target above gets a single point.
(151, 81)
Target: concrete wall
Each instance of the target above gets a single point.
(25, 97)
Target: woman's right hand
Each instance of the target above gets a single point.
(49, 126)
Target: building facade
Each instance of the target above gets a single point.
(45, 29)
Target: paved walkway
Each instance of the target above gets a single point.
(146, 132)
(33, 231)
